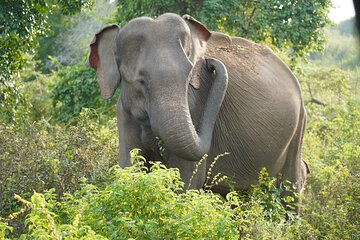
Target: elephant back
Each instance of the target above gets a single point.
(260, 112)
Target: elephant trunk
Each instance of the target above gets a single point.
(174, 124)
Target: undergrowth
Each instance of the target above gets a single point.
(148, 203)
(68, 186)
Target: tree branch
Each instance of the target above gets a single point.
(315, 100)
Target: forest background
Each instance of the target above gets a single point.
(58, 138)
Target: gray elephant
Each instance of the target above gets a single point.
(202, 93)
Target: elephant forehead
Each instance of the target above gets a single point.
(173, 23)
(165, 28)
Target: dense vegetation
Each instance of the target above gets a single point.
(58, 139)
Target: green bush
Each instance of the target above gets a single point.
(38, 156)
(75, 87)
(146, 203)
(61, 96)
(331, 200)
(14, 107)
(135, 203)
(332, 148)
(330, 85)
(35, 87)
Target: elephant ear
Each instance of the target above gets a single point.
(199, 37)
(102, 59)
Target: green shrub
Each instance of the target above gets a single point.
(147, 203)
(38, 156)
(4, 228)
(330, 85)
(14, 106)
(75, 87)
(135, 203)
(332, 148)
(61, 96)
(36, 90)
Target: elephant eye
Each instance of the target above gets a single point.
(142, 77)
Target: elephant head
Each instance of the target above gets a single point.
(154, 60)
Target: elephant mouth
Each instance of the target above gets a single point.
(142, 117)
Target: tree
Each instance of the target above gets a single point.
(294, 24)
(21, 23)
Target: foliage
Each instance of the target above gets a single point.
(35, 89)
(347, 27)
(342, 49)
(21, 22)
(285, 23)
(69, 38)
(260, 213)
(62, 95)
(42, 225)
(75, 87)
(145, 203)
(74, 6)
(36, 156)
(4, 228)
(13, 105)
(332, 149)
(331, 85)
(38, 89)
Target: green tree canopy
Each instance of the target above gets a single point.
(21, 23)
(293, 24)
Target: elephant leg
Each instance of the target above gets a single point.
(192, 173)
(150, 149)
(293, 169)
(133, 135)
(129, 136)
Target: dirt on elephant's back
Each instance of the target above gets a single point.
(235, 51)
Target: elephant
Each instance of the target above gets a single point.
(201, 92)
